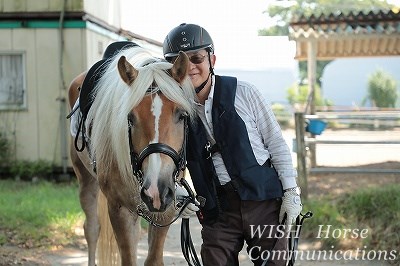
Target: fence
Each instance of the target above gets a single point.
(306, 142)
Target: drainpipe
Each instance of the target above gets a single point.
(62, 98)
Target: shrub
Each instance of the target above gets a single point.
(378, 209)
(5, 150)
(26, 170)
(382, 90)
(282, 114)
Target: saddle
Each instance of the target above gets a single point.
(92, 77)
(86, 95)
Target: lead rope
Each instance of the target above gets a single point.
(188, 249)
(295, 236)
(293, 240)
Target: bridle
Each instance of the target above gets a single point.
(137, 159)
(179, 159)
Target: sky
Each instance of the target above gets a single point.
(233, 25)
(222, 18)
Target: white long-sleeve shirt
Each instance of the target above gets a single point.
(264, 132)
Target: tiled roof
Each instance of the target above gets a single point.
(352, 34)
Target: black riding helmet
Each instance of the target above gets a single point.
(188, 37)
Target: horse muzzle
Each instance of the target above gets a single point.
(157, 200)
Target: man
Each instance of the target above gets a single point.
(237, 159)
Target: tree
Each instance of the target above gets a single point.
(382, 90)
(297, 95)
(283, 13)
(320, 68)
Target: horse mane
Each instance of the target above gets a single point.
(114, 100)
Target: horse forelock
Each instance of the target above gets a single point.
(115, 99)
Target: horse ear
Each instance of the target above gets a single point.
(180, 68)
(127, 72)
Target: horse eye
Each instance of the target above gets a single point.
(183, 115)
(131, 120)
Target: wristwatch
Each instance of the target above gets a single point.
(295, 189)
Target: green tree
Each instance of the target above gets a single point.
(319, 71)
(382, 90)
(298, 95)
(283, 13)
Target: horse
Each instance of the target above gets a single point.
(134, 156)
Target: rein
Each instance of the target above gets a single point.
(179, 159)
(187, 247)
(189, 251)
(294, 236)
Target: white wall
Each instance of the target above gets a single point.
(36, 128)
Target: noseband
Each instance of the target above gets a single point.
(137, 159)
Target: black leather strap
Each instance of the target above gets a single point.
(188, 250)
(293, 240)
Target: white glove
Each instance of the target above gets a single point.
(291, 205)
(181, 195)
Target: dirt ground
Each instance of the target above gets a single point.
(319, 184)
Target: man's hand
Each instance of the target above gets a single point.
(181, 195)
(291, 205)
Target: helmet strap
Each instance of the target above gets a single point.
(202, 85)
(209, 61)
(199, 88)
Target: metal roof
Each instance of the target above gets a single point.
(348, 35)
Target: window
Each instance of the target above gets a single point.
(12, 82)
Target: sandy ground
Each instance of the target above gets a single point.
(173, 254)
(329, 155)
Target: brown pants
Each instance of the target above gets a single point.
(223, 240)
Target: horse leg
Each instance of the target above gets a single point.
(156, 240)
(88, 191)
(126, 228)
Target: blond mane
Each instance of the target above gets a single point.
(115, 99)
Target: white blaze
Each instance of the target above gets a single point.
(155, 158)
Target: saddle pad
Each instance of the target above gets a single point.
(95, 72)
(89, 83)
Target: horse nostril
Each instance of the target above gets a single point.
(146, 197)
(168, 196)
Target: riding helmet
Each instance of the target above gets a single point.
(187, 37)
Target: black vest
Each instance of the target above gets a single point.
(251, 180)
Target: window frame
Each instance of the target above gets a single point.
(15, 106)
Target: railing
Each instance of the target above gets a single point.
(303, 143)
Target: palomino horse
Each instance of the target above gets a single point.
(136, 132)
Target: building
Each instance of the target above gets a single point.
(44, 44)
(341, 36)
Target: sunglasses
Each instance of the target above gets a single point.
(195, 59)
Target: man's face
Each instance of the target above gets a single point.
(199, 66)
